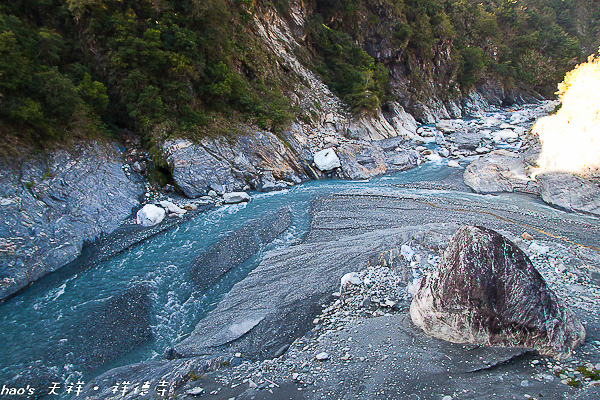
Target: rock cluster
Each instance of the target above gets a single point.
(486, 291)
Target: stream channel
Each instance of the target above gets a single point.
(37, 324)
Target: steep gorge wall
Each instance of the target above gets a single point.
(52, 203)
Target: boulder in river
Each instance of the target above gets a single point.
(327, 160)
(235, 197)
(150, 215)
(486, 291)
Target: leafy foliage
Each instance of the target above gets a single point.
(138, 64)
(348, 69)
(197, 67)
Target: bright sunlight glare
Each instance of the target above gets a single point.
(571, 138)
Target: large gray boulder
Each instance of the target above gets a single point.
(486, 291)
(570, 192)
(257, 158)
(499, 171)
(51, 204)
(361, 161)
(469, 138)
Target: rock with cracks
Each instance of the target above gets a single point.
(486, 291)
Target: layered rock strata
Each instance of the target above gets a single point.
(486, 291)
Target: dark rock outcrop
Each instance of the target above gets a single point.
(486, 291)
(52, 204)
(237, 247)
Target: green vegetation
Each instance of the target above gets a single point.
(197, 67)
(594, 374)
(347, 69)
(527, 44)
(188, 68)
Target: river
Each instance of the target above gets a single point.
(37, 324)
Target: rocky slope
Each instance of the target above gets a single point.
(53, 203)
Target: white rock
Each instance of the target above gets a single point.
(482, 150)
(195, 391)
(520, 131)
(434, 157)
(453, 164)
(548, 377)
(389, 303)
(238, 355)
(420, 148)
(538, 248)
(150, 215)
(172, 207)
(6, 202)
(326, 160)
(447, 398)
(418, 140)
(235, 197)
(561, 269)
(251, 384)
(444, 152)
(525, 383)
(407, 252)
(491, 121)
(212, 194)
(348, 279)
(504, 134)
(322, 356)
(445, 126)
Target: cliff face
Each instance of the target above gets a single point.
(50, 205)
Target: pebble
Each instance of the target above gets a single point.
(526, 236)
(322, 356)
(525, 383)
(197, 391)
